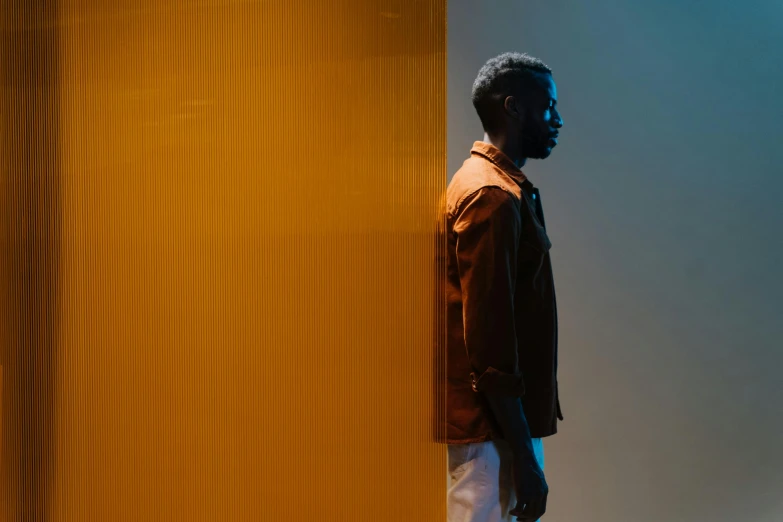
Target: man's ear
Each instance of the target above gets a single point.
(513, 108)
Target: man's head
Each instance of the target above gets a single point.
(515, 97)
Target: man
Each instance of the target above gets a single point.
(502, 320)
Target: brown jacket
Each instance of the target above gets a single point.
(500, 299)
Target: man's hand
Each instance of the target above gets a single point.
(531, 490)
(529, 483)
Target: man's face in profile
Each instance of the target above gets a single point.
(541, 124)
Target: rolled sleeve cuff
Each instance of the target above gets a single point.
(495, 382)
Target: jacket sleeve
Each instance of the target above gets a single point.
(487, 226)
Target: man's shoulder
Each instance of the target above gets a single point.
(475, 175)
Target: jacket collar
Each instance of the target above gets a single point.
(503, 162)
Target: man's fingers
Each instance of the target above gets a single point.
(533, 510)
(528, 513)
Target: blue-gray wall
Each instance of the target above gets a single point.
(664, 207)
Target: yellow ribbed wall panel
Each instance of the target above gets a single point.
(228, 212)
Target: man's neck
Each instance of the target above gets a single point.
(503, 144)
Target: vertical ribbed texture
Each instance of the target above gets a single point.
(31, 271)
(221, 260)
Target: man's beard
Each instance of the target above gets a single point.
(535, 147)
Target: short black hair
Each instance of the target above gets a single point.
(508, 74)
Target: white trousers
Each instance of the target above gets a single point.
(481, 487)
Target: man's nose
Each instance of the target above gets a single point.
(558, 121)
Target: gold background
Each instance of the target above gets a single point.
(219, 256)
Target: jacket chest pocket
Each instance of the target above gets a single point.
(534, 247)
(535, 237)
(533, 233)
